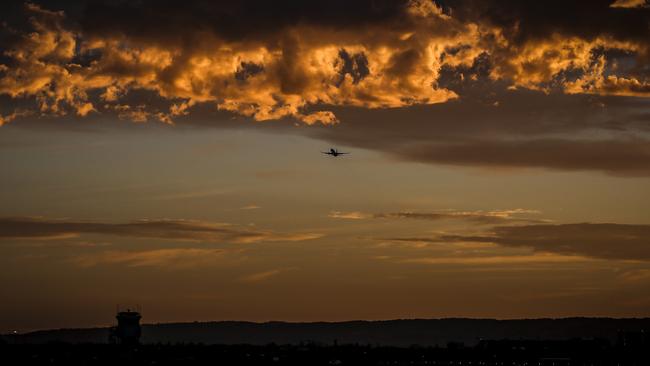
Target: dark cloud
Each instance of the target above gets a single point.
(510, 129)
(625, 157)
(36, 228)
(251, 19)
(168, 20)
(528, 20)
(259, 19)
(247, 70)
(606, 241)
(355, 65)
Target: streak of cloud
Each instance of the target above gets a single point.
(498, 260)
(482, 217)
(174, 258)
(182, 230)
(250, 207)
(603, 241)
(351, 215)
(625, 157)
(262, 276)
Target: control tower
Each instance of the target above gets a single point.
(127, 331)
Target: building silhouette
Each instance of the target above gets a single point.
(127, 331)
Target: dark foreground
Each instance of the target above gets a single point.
(495, 353)
(399, 333)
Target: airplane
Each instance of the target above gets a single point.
(334, 152)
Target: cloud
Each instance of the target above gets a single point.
(636, 275)
(528, 129)
(250, 207)
(605, 241)
(12, 116)
(498, 260)
(264, 78)
(274, 61)
(177, 258)
(483, 217)
(262, 276)
(351, 215)
(427, 242)
(182, 230)
(629, 4)
(624, 157)
(190, 194)
(462, 82)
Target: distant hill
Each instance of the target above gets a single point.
(424, 332)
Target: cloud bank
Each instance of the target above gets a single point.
(270, 61)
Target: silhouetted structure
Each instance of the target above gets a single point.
(128, 330)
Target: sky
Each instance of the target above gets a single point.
(167, 155)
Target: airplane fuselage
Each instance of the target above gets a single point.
(334, 152)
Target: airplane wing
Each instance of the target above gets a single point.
(343, 153)
(326, 153)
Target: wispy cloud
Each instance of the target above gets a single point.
(190, 194)
(263, 276)
(483, 217)
(499, 259)
(351, 215)
(605, 241)
(168, 258)
(636, 275)
(620, 156)
(250, 207)
(427, 242)
(182, 230)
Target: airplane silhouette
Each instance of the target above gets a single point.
(334, 152)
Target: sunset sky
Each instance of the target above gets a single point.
(168, 154)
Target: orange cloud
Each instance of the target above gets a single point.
(168, 258)
(545, 64)
(299, 68)
(629, 3)
(307, 67)
(353, 215)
